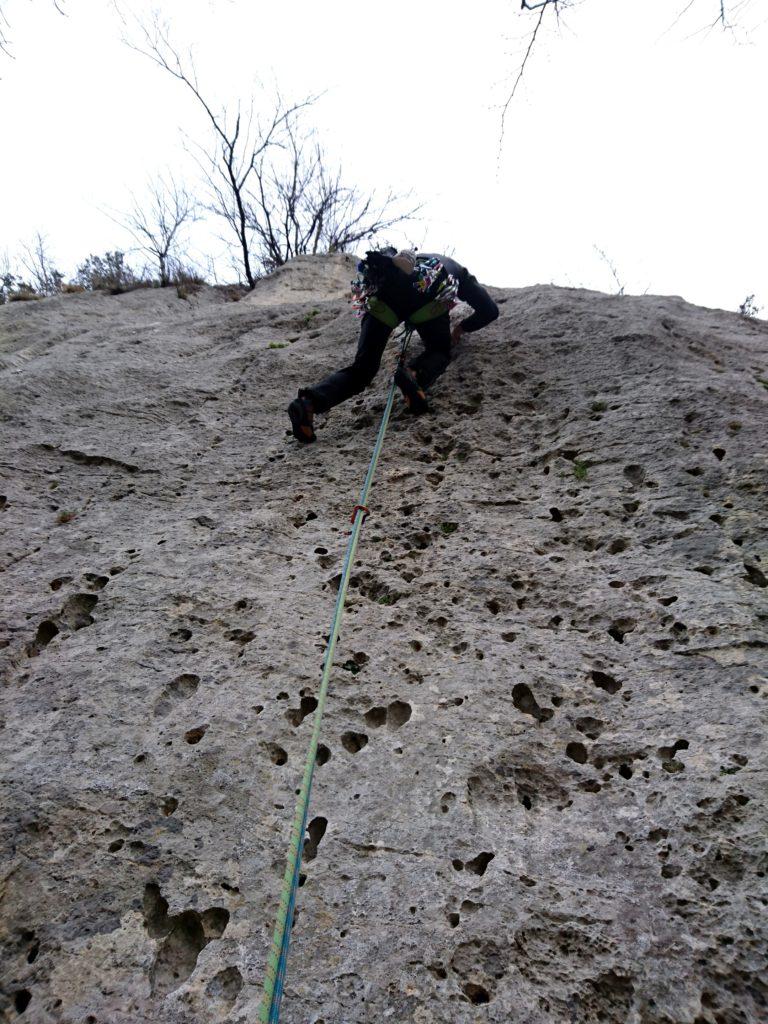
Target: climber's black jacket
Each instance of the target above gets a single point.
(471, 292)
(402, 298)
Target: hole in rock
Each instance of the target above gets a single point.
(591, 727)
(169, 805)
(398, 713)
(719, 453)
(453, 920)
(376, 717)
(240, 636)
(183, 936)
(97, 582)
(619, 629)
(475, 993)
(77, 609)
(195, 735)
(297, 715)
(215, 921)
(635, 474)
(225, 986)
(353, 741)
(577, 752)
(323, 754)
(21, 1000)
(59, 582)
(46, 631)
(556, 514)
(523, 699)
(184, 686)
(605, 681)
(755, 576)
(316, 831)
(667, 753)
(479, 863)
(276, 754)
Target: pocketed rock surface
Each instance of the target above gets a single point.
(541, 795)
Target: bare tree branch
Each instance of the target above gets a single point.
(236, 150)
(556, 5)
(157, 223)
(38, 262)
(5, 41)
(612, 267)
(301, 205)
(521, 71)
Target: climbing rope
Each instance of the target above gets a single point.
(277, 962)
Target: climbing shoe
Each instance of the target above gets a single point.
(413, 393)
(301, 413)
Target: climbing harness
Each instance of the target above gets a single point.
(429, 278)
(277, 961)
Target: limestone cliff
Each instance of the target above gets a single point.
(541, 791)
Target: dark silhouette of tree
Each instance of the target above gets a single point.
(157, 223)
(268, 181)
(238, 143)
(36, 259)
(301, 205)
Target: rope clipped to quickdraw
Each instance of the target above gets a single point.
(277, 962)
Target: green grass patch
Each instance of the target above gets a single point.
(449, 528)
(599, 406)
(580, 470)
(277, 344)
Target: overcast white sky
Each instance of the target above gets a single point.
(628, 133)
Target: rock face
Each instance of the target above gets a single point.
(541, 792)
(306, 279)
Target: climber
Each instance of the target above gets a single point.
(396, 286)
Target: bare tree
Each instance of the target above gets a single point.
(239, 141)
(540, 8)
(157, 224)
(612, 267)
(299, 205)
(38, 262)
(749, 308)
(5, 25)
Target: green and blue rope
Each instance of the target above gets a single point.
(277, 961)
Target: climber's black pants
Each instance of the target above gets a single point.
(427, 366)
